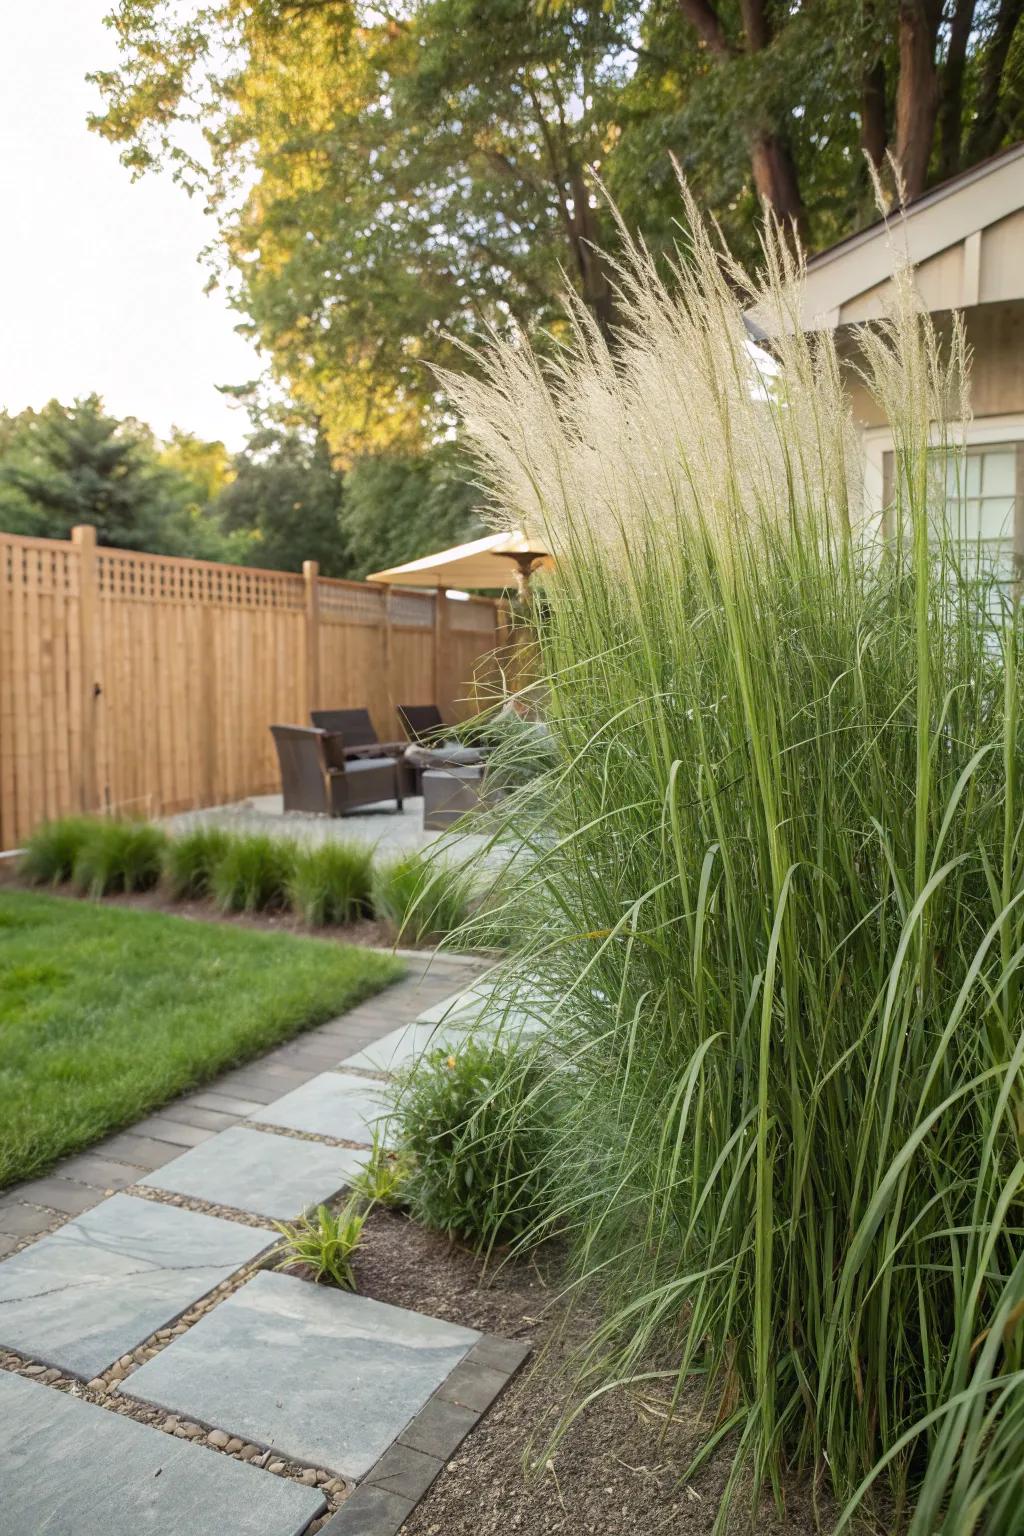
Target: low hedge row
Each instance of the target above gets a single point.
(330, 884)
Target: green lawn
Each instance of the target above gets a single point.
(106, 1014)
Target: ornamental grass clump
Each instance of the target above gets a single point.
(191, 860)
(117, 856)
(331, 883)
(51, 851)
(423, 898)
(780, 893)
(254, 874)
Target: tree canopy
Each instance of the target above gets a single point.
(389, 179)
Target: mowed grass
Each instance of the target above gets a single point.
(105, 1014)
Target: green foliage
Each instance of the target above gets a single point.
(481, 123)
(422, 898)
(473, 1123)
(190, 860)
(779, 894)
(382, 1179)
(105, 1014)
(118, 856)
(325, 1243)
(401, 505)
(284, 502)
(331, 883)
(52, 849)
(254, 874)
(77, 464)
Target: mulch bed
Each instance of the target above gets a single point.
(619, 1469)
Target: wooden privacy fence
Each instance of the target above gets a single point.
(146, 684)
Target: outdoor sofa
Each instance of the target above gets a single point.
(317, 776)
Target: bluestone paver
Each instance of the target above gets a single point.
(69, 1468)
(319, 1375)
(94, 1289)
(273, 1176)
(337, 1104)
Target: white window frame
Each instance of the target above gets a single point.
(985, 432)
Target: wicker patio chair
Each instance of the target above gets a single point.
(316, 776)
(359, 732)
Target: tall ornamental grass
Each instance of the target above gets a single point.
(779, 889)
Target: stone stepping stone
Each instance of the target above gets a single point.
(273, 1176)
(486, 1003)
(98, 1286)
(334, 1104)
(401, 1047)
(72, 1469)
(318, 1375)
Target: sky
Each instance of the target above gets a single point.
(100, 286)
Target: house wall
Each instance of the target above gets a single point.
(995, 335)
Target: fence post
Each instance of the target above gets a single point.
(311, 576)
(442, 621)
(83, 538)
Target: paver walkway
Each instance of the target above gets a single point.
(146, 1303)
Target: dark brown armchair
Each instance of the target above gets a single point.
(316, 776)
(423, 723)
(358, 730)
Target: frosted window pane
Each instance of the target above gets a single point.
(997, 517)
(999, 472)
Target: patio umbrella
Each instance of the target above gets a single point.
(499, 560)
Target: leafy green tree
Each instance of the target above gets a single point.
(283, 503)
(387, 178)
(65, 465)
(400, 506)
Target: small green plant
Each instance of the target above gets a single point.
(190, 861)
(422, 898)
(51, 851)
(382, 1179)
(119, 856)
(331, 883)
(473, 1123)
(254, 874)
(325, 1243)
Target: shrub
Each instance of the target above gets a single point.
(785, 869)
(119, 856)
(422, 898)
(472, 1122)
(190, 862)
(254, 874)
(331, 883)
(50, 852)
(325, 1243)
(382, 1179)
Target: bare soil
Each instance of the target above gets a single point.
(618, 1470)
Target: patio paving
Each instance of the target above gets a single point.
(364, 1370)
(118, 1478)
(393, 832)
(337, 1104)
(273, 1176)
(93, 1290)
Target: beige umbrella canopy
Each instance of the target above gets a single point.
(499, 560)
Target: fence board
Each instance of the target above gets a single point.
(193, 662)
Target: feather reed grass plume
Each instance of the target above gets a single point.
(778, 887)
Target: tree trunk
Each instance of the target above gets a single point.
(771, 160)
(952, 89)
(988, 126)
(917, 95)
(775, 178)
(595, 280)
(874, 134)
